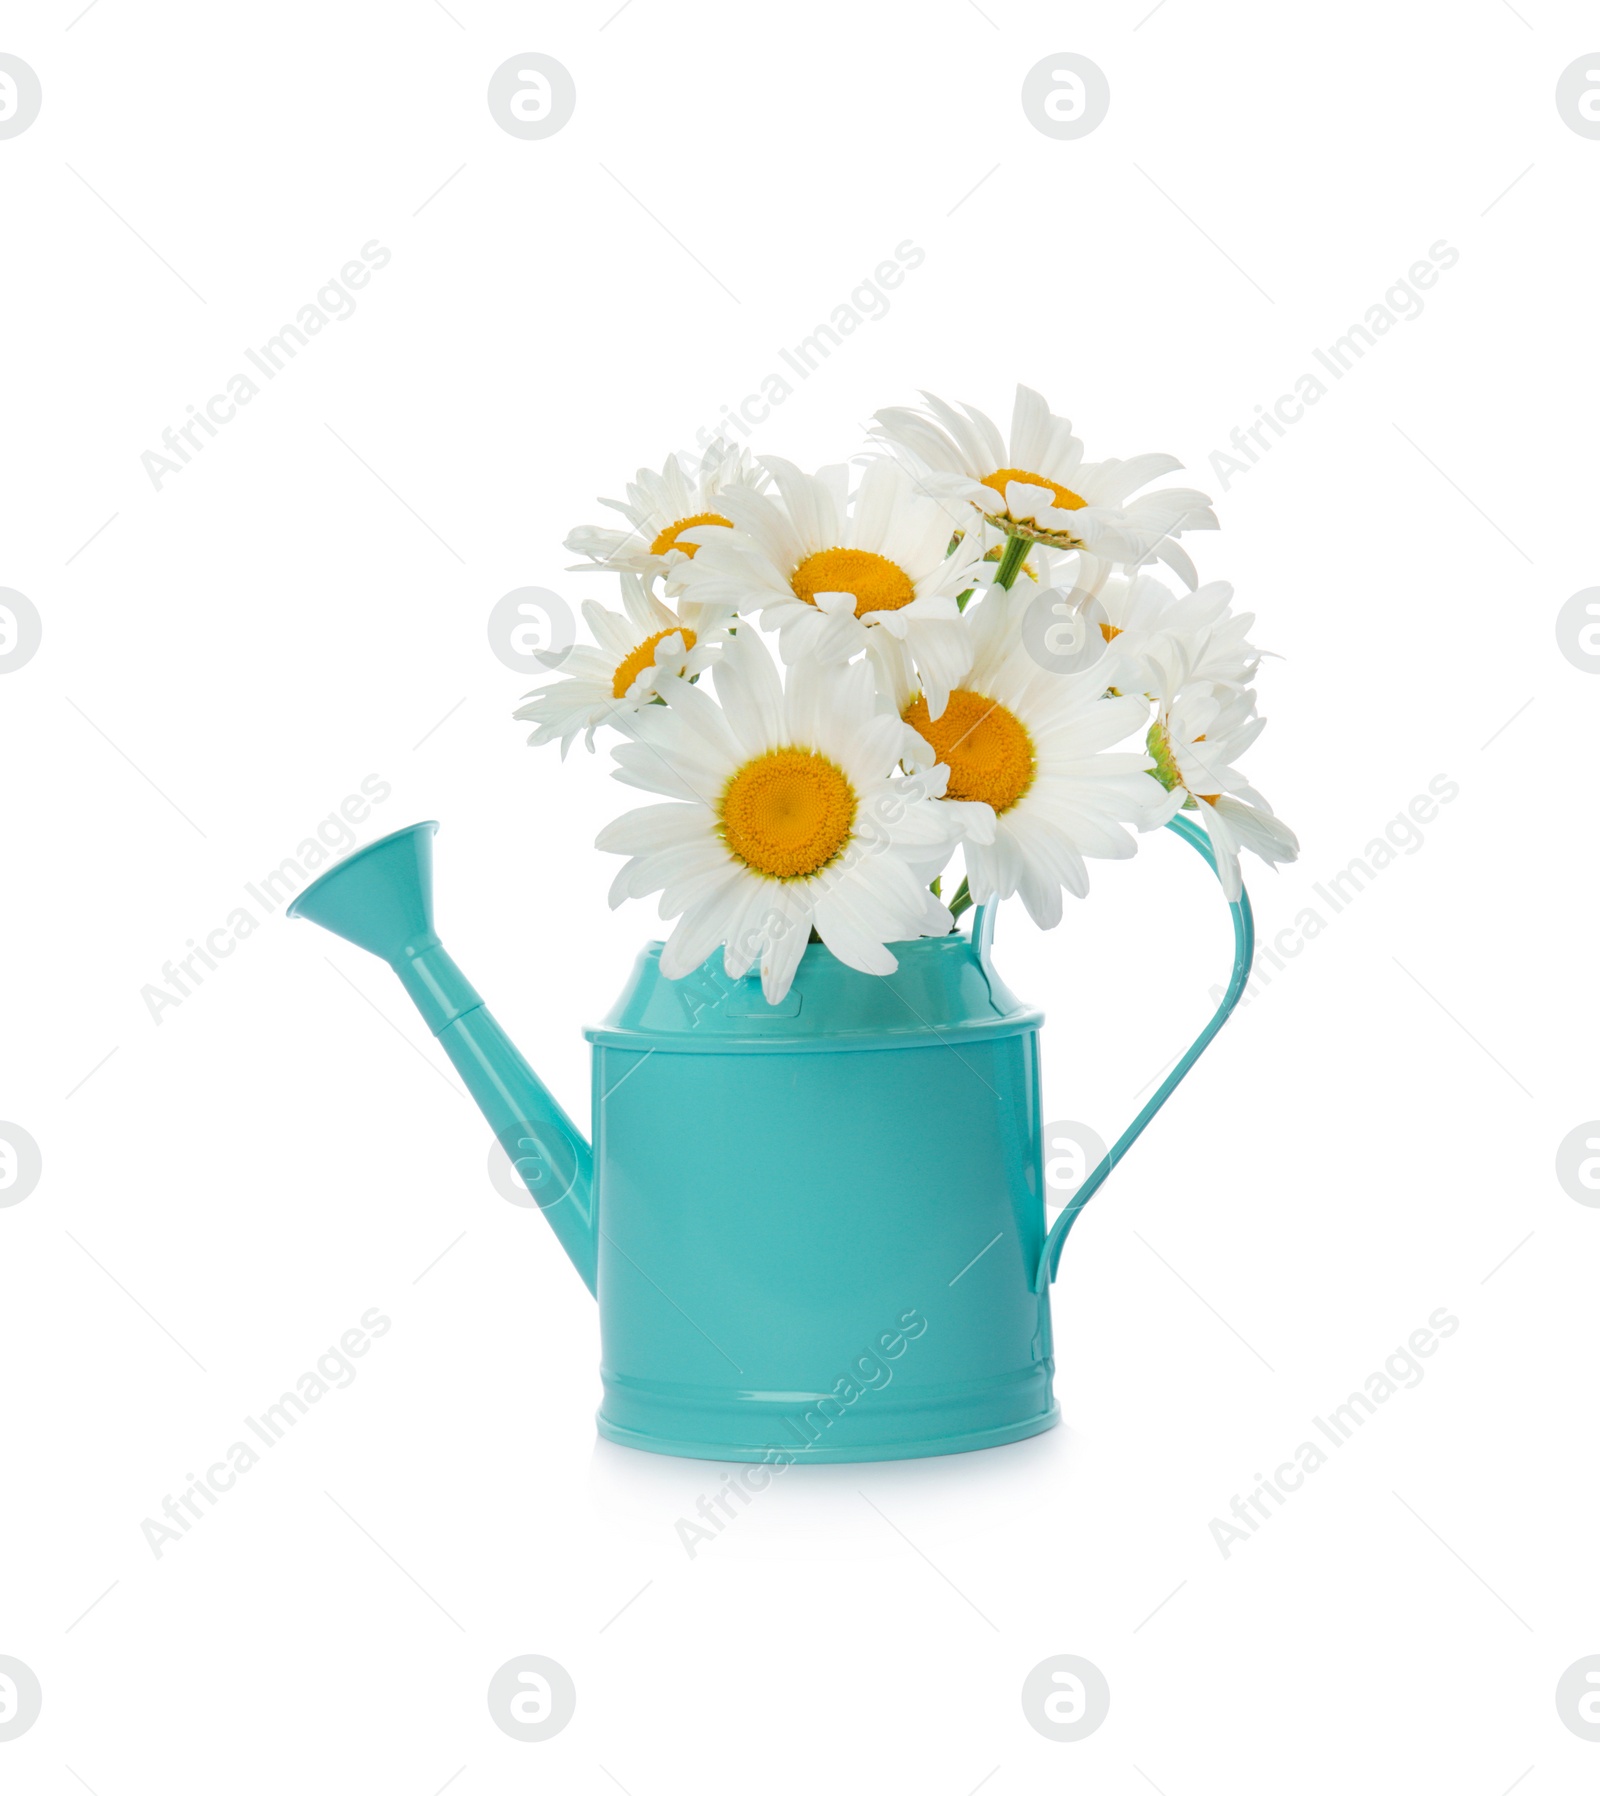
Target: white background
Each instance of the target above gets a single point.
(230, 655)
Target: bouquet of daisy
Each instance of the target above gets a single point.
(973, 657)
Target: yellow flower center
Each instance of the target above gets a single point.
(787, 813)
(985, 746)
(644, 656)
(873, 581)
(668, 539)
(1065, 498)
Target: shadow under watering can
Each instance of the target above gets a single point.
(816, 1229)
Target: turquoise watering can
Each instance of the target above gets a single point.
(816, 1229)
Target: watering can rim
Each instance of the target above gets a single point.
(941, 991)
(958, 934)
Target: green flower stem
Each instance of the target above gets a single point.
(1016, 552)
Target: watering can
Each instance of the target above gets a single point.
(816, 1228)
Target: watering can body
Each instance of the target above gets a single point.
(816, 1229)
(819, 1221)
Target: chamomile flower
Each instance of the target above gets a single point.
(659, 508)
(786, 814)
(1176, 639)
(1198, 734)
(1037, 484)
(638, 650)
(1033, 745)
(829, 571)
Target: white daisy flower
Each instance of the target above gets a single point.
(1032, 745)
(640, 649)
(828, 573)
(1175, 639)
(1197, 736)
(1038, 483)
(659, 508)
(787, 815)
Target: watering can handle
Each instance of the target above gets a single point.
(1243, 954)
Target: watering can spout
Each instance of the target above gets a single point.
(381, 898)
